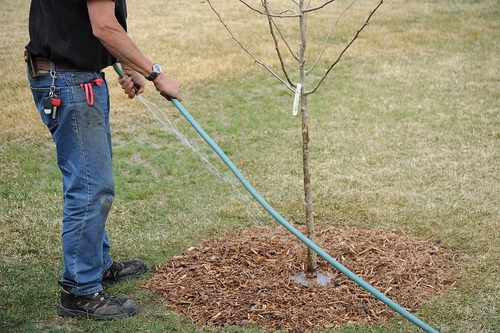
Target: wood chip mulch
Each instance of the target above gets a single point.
(253, 278)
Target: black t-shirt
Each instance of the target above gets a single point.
(61, 31)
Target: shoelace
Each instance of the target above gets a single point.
(103, 296)
(89, 90)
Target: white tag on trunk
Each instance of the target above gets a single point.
(296, 99)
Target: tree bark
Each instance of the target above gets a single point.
(312, 264)
(311, 234)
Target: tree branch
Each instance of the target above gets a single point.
(286, 42)
(328, 37)
(318, 7)
(272, 25)
(288, 85)
(345, 48)
(274, 14)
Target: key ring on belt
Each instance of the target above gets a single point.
(53, 75)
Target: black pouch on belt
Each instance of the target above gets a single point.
(30, 61)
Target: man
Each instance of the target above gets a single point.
(71, 41)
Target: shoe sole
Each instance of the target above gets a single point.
(63, 312)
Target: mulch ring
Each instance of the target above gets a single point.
(254, 278)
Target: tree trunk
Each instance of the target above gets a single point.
(311, 255)
(311, 234)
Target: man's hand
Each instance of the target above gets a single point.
(168, 87)
(132, 83)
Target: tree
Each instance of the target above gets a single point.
(300, 10)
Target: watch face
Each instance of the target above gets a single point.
(156, 68)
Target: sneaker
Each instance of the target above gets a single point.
(98, 306)
(120, 271)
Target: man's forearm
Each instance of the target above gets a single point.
(114, 38)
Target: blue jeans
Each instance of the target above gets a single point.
(83, 143)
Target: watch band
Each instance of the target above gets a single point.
(152, 76)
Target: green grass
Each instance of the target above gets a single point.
(405, 134)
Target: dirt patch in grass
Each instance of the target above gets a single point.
(255, 278)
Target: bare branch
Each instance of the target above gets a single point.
(345, 48)
(272, 24)
(282, 14)
(265, 4)
(318, 7)
(248, 51)
(328, 37)
(286, 42)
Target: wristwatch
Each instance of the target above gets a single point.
(155, 73)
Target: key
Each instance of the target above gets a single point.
(56, 103)
(47, 105)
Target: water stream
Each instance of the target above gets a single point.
(255, 215)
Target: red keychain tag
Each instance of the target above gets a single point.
(56, 103)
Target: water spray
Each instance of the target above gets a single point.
(363, 284)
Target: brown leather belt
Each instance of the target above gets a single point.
(43, 65)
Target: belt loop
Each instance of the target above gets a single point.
(28, 57)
